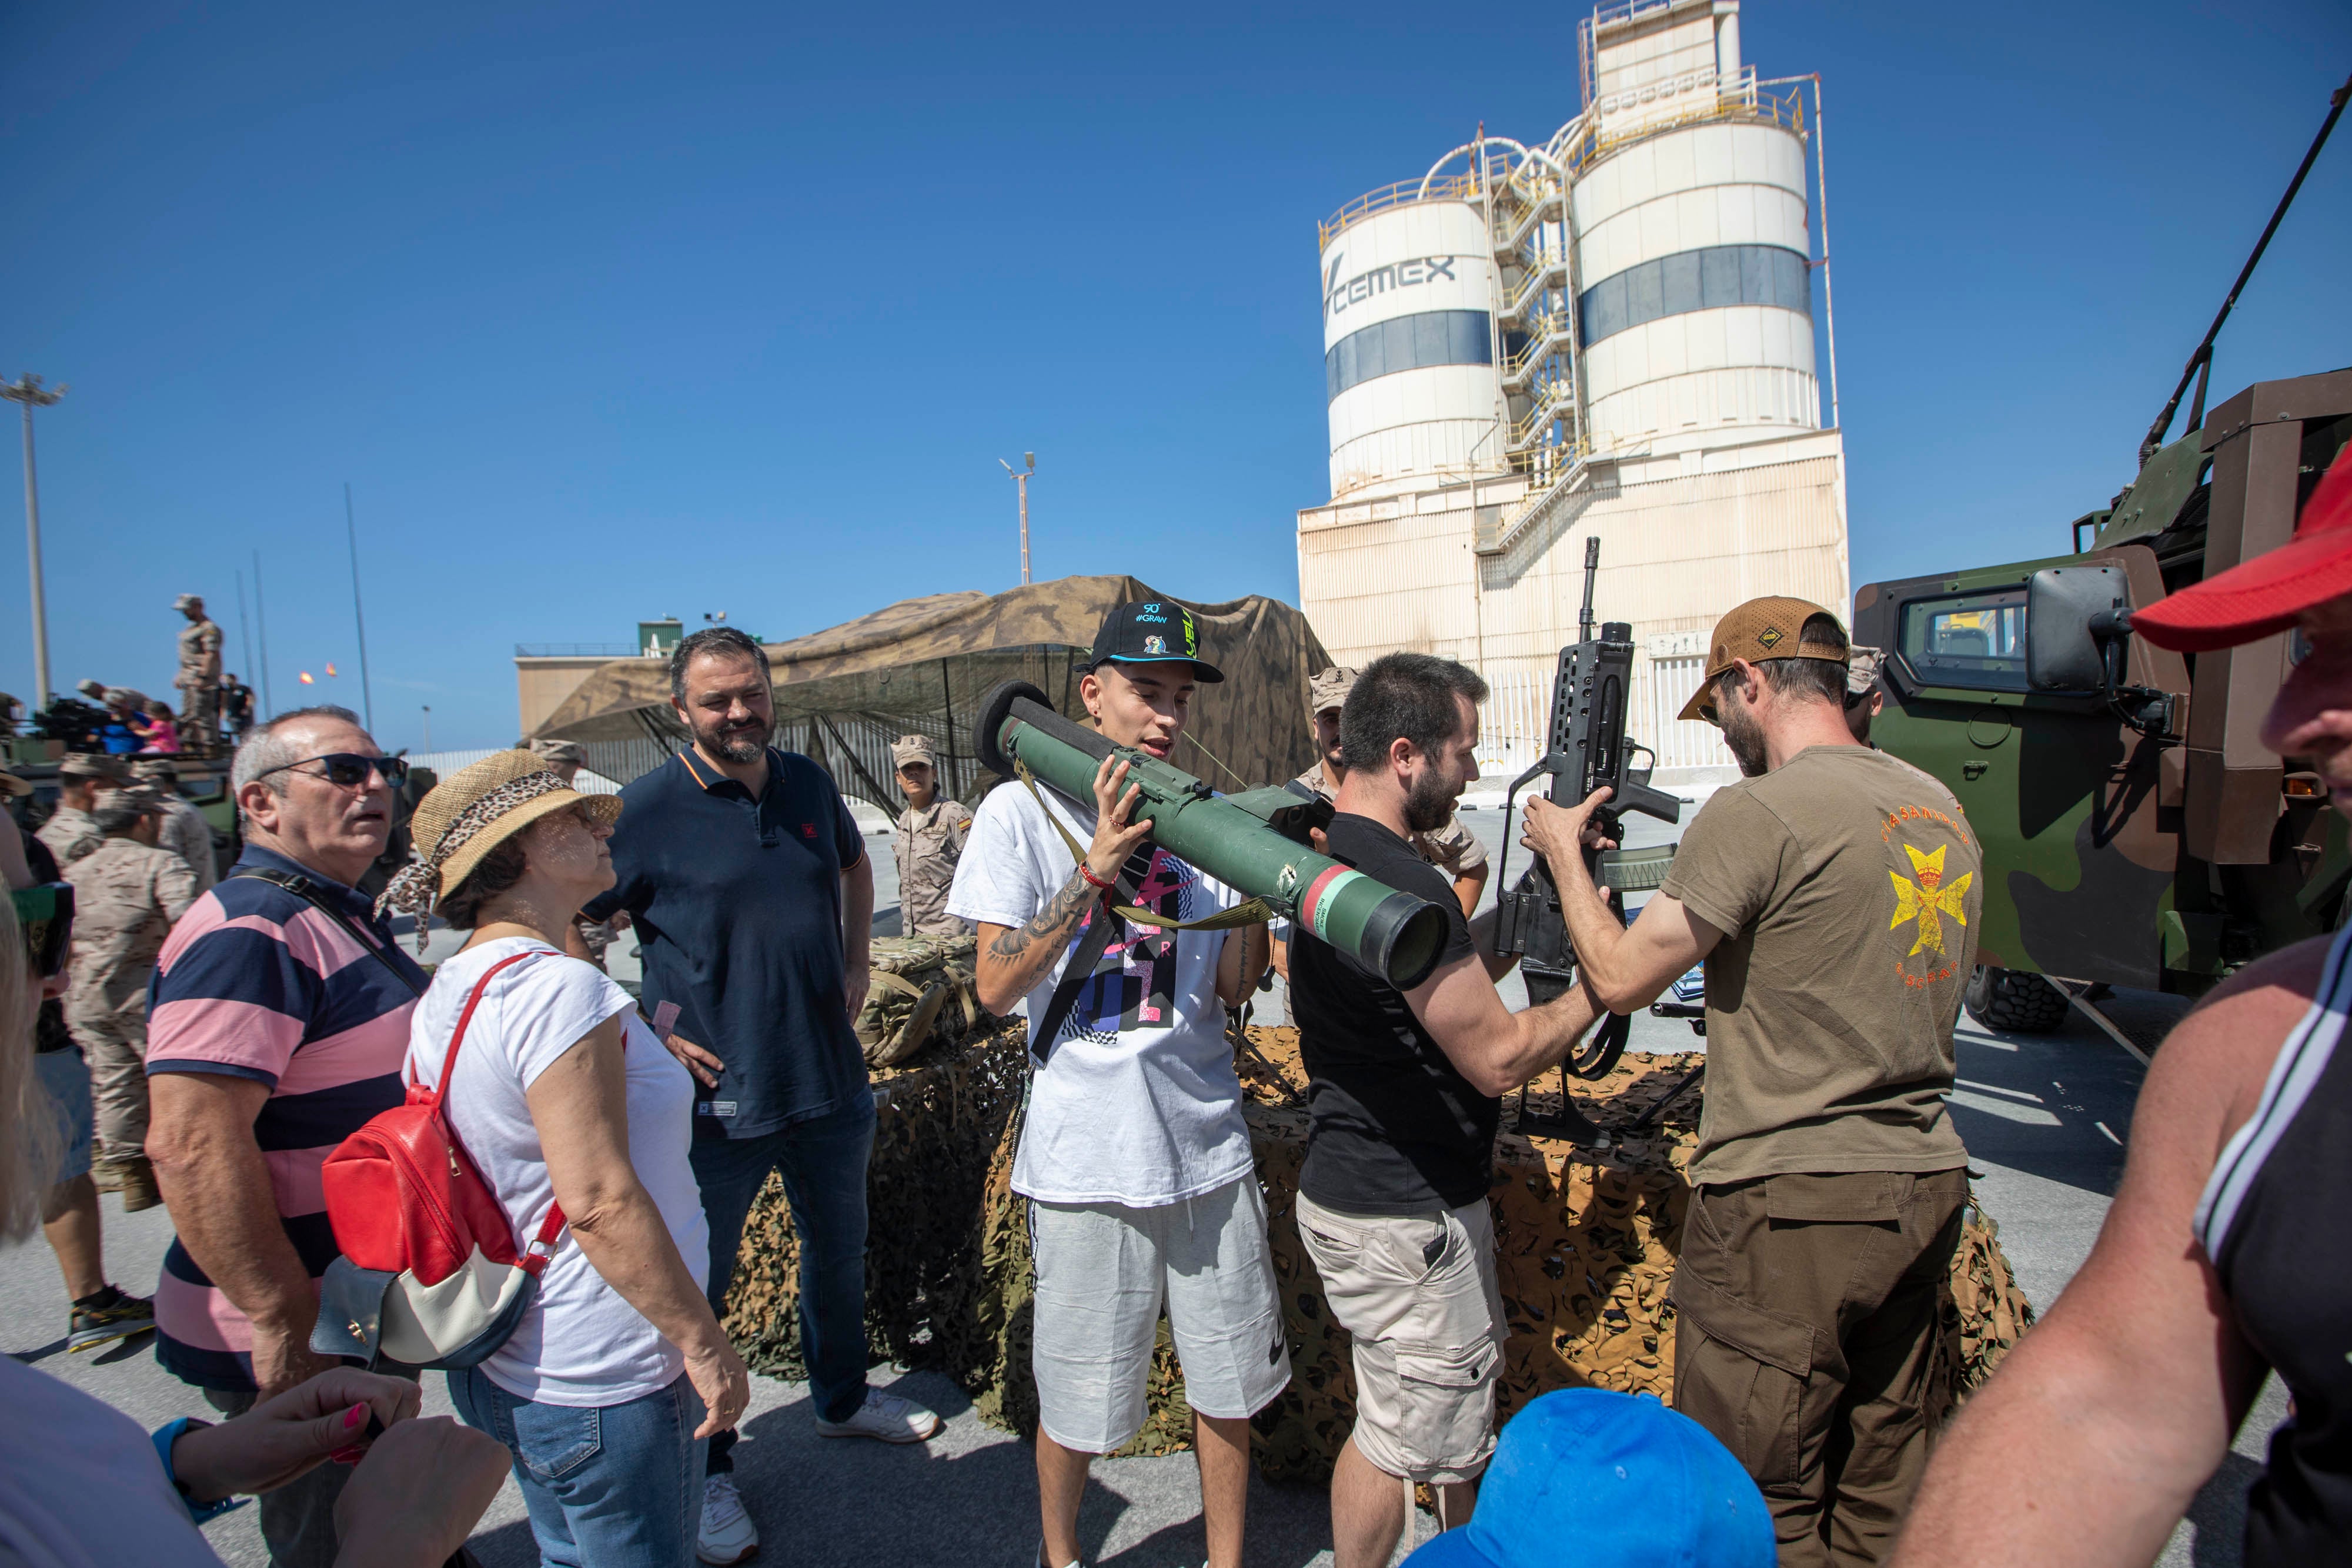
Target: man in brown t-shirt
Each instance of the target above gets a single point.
(1832, 894)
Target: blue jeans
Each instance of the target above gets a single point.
(823, 1161)
(618, 1486)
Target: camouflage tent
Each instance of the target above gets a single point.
(922, 664)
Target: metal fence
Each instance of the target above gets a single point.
(1515, 721)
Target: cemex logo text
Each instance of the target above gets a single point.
(1338, 296)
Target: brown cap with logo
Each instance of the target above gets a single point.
(1758, 630)
(912, 748)
(1328, 689)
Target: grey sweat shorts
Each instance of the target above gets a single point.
(1103, 1271)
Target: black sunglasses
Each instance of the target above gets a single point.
(45, 913)
(349, 769)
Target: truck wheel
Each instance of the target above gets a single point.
(2014, 1001)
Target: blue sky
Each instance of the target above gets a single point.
(609, 311)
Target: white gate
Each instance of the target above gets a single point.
(1680, 743)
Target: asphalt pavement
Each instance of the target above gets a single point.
(2045, 1117)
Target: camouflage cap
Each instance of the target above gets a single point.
(187, 598)
(1861, 668)
(1328, 688)
(1758, 630)
(137, 797)
(558, 751)
(93, 765)
(157, 768)
(94, 690)
(910, 748)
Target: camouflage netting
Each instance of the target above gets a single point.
(1585, 1251)
(921, 665)
(940, 1117)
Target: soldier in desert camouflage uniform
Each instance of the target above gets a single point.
(199, 678)
(127, 894)
(185, 832)
(71, 832)
(928, 841)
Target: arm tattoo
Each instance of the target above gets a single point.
(1051, 924)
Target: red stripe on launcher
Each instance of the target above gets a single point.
(1315, 895)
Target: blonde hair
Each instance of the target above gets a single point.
(28, 1117)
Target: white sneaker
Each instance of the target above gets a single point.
(886, 1416)
(727, 1534)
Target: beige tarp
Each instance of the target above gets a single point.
(922, 666)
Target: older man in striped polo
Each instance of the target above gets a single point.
(276, 1027)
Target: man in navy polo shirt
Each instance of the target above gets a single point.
(748, 881)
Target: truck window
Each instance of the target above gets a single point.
(1967, 640)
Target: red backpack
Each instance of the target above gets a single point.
(430, 1275)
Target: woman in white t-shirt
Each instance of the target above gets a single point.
(618, 1373)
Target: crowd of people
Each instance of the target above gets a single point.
(238, 1029)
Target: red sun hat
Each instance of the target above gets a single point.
(2265, 594)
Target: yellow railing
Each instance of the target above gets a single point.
(1543, 332)
(1763, 107)
(1446, 188)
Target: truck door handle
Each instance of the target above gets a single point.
(1973, 770)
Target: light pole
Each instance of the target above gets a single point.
(1020, 478)
(27, 390)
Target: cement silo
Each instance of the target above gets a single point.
(1645, 284)
(1693, 252)
(1408, 334)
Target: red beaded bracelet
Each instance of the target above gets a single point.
(1088, 872)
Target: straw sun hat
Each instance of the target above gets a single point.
(470, 813)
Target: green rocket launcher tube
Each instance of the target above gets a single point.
(1255, 841)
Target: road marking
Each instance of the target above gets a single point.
(1997, 1089)
(2030, 1115)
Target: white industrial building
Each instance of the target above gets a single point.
(1609, 334)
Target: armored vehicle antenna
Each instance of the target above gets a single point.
(2200, 363)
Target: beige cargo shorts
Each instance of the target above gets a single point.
(1418, 1293)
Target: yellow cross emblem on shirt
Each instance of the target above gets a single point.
(1928, 900)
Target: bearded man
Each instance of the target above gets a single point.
(748, 883)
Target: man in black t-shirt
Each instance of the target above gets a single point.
(1405, 1091)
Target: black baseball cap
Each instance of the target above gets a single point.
(1152, 632)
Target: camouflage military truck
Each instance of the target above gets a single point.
(2136, 832)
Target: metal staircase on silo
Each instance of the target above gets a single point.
(1540, 351)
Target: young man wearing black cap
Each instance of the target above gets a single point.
(1832, 894)
(1133, 1153)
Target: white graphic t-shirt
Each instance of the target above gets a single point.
(1138, 1101)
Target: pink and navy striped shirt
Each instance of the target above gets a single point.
(257, 982)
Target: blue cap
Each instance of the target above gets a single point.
(1602, 1479)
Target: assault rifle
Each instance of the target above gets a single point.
(1587, 749)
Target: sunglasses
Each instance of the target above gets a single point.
(45, 913)
(349, 769)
